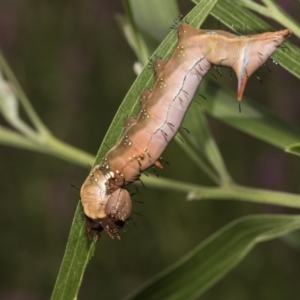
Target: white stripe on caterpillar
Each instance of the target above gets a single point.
(106, 204)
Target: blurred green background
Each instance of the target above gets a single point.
(76, 67)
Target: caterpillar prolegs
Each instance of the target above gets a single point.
(106, 202)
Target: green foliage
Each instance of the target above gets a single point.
(192, 275)
(212, 259)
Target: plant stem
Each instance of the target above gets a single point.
(11, 138)
(131, 32)
(201, 163)
(227, 192)
(66, 152)
(22, 97)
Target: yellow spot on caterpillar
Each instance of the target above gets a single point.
(144, 115)
(239, 47)
(93, 178)
(126, 140)
(181, 51)
(161, 83)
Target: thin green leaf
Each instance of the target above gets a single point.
(24, 101)
(270, 9)
(198, 140)
(78, 253)
(75, 262)
(164, 12)
(134, 39)
(196, 272)
(254, 120)
(294, 148)
(293, 240)
(145, 23)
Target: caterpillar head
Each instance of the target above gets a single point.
(104, 210)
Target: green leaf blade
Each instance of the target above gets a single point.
(254, 119)
(79, 250)
(190, 277)
(200, 145)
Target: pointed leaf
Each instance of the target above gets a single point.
(196, 272)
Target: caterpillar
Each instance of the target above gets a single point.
(106, 202)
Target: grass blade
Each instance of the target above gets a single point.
(79, 250)
(204, 266)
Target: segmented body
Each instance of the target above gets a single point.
(106, 202)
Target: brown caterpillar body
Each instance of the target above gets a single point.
(106, 204)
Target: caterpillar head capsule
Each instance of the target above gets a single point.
(104, 210)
